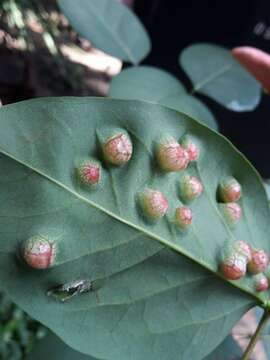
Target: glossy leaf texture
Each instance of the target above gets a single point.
(154, 287)
(152, 84)
(215, 73)
(109, 26)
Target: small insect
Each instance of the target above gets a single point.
(69, 290)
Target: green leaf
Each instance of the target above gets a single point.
(215, 73)
(154, 288)
(145, 83)
(229, 349)
(51, 347)
(155, 85)
(193, 107)
(110, 26)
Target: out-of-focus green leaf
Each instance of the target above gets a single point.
(215, 73)
(110, 26)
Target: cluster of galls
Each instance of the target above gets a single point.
(117, 150)
(239, 258)
(173, 156)
(229, 192)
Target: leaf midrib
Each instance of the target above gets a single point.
(114, 36)
(164, 242)
(212, 77)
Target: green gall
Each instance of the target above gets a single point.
(171, 156)
(229, 190)
(118, 149)
(153, 203)
(183, 217)
(232, 212)
(260, 282)
(259, 262)
(191, 148)
(190, 187)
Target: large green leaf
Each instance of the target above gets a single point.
(215, 73)
(51, 347)
(158, 294)
(155, 85)
(110, 26)
(228, 350)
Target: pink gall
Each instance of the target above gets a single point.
(234, 266)
(183, 217)
(190, 188)
(259, 262)
(38, 252)
(191, 147)
(232, 212)
(89, 172)
(260, 282)
(230, 190)
(171, 156)
(243, 248)
(118, 149)
(153, 203)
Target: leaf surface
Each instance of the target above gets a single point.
(157, 288)
(110, 26)
(214, 72)
(156, 85)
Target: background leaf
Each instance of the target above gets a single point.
(152, 84)
(193, 107)
(110, 26)
(158, 288)
(215, 73)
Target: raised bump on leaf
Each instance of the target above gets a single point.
(192, 148)
(153, 203)
(261, 282)
(231, 211)
(259, 262)
(190, 187)
(183, 217)
(118, 149)
(233, 266)
(243, 249)
(229, 190)
(39, 252)
(89, 172)
(171, 156)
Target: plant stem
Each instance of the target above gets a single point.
(256, 336)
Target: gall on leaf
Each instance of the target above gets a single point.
(229, 190)
(171, 156)
(183, 217)
(190, 188)
(242, 248)
(259, 262)
(89, 172)
(261, 282)
(233, 266)
(232, 212)
(191, 147)
(153, 204)
(39, 252)
(117, 150)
